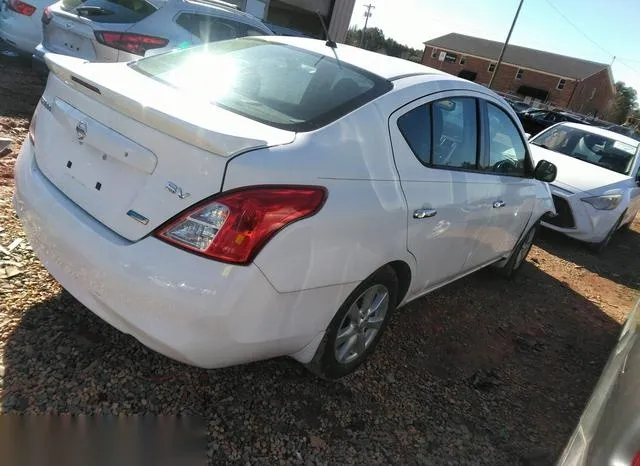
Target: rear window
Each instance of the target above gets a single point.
(110, 11)
(280, 85)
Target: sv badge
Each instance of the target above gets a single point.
(177, 190)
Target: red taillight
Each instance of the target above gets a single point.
(47, 15)
(636, 460)
(129, 42)
(234, 226)
(21, 7)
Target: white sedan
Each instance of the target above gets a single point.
(271, 196)
(21, 23)
(597, 190)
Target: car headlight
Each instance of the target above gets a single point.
(605, 202)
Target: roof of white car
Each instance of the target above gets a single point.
(376, 63)
(603, 132)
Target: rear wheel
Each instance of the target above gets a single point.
(357, 326)
(519, 253)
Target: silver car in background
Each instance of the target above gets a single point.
(125, 30)
(608, 432)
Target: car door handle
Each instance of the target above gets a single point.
(424, 213)
(498, 204)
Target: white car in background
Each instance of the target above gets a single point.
(272, 196)
(597, 190)
(124, 30)
(21, 25)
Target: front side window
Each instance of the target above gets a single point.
(276, 84)
(507, 151)
(444, 133)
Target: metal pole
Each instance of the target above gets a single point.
(367, 15)
(504, 46)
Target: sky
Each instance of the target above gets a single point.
(601, 29)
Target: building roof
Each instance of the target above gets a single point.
(552, 63)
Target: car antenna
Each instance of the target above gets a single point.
(330, 42)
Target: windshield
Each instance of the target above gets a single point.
(280, 85)
(605, 152)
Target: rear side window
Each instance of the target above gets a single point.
(110, 11)
(211, 29)
(444, 133)
(277, 84)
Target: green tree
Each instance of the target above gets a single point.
(375, 40)
(624, 104)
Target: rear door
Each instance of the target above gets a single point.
(436, 149)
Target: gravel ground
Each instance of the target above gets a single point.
(483, 371)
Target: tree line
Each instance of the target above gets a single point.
(375, 40)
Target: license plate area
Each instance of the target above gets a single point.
(71, 43)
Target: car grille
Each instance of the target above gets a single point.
(564, 219)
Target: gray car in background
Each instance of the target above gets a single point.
(608, 432)
(124, 30)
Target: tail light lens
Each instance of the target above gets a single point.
(234, 226)
(46, 16)
(636, 460)
(129, 42)
(21, 7)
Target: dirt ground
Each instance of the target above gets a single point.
(483, 371)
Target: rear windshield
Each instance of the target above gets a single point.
(280, 85)
(110, 11)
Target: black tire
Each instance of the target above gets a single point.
(519, 253)
(597, 248)
(325, 363)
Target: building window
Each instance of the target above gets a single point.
(561, 84)
(519, 74)
(463, 60)
(492, 67)
(434, 53)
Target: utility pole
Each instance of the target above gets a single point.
(367, 15)
(506, 42)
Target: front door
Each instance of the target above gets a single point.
(508, 166)
(436, 150)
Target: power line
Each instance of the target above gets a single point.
(586, 36)
(578, 29)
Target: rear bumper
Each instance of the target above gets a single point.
(189, 308)
(578, 219)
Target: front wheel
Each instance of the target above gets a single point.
(357, 326)
(599, 247)
(519, 253)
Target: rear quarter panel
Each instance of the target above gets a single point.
(362, 225)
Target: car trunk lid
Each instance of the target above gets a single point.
(133, 152)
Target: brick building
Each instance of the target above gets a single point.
(532, 75)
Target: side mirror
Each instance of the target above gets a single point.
(528, 136)
(545, 171)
